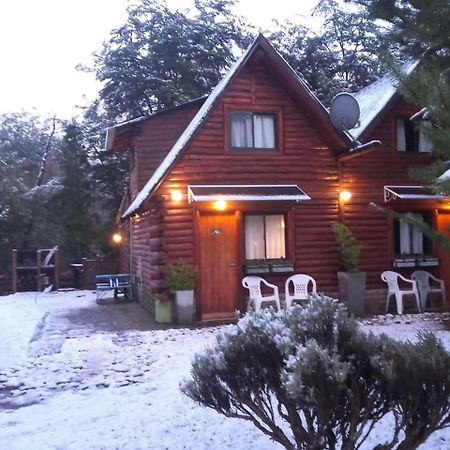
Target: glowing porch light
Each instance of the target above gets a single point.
(220, 205)
(176, 196)
(117, 238)
(345, 196)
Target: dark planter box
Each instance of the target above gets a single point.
(352, 288)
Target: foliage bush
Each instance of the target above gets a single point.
(310, 379)
(179, 277)
(348, 249)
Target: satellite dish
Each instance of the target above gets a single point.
(344, 111)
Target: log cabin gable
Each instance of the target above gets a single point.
(208, 126)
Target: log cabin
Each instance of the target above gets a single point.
(248, 180)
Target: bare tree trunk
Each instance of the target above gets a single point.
(39, 180)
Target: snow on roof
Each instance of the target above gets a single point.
(187, 134)
(201, 116)
(193, 126)
(374, 98)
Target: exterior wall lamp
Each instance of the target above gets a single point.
(117, 238)
(220, 205)
(345, 196)
(176, 196)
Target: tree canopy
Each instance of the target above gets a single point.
(160, 58)
(420, 30)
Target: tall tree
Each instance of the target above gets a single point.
(161, 58)
(24, 145)
(420, 29)
(72, 207)
(342, 56)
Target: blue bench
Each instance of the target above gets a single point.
(120, 283)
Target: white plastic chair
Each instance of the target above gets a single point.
(300, 292)
(391, 278)
(425, 282)
(256, 298)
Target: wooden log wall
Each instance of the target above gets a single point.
(167, 230)
(365, 176)
(154, 138)
(147, 254)
(301, 158)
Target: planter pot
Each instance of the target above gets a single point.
(184, 304)
(163, 311)
(352, 287)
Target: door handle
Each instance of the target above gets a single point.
(232, 264)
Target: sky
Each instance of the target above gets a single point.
(42, 42)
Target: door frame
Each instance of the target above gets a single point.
(198, 212)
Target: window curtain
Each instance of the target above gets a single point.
(411, 238)
(241, 130)
(275, 245)
(417, 235)
(264, 130)
(254, 237)
(401, 135)
(425, 145)
(405, 239)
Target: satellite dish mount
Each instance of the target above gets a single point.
(344, 112)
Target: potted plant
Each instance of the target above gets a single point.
(180, 283)
(352, 282)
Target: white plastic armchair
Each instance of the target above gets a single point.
(427, 284)
(392, 278)
(300, 283)
(256, 298)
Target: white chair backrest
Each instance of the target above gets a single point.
(391, 278)
(422, 278)
(253, 284)
(301, 283)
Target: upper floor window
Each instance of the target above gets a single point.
(410, 240)
(265, 236)
(411, 137)
(250, 130)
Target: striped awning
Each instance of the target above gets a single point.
(411, 193)
(237, 192)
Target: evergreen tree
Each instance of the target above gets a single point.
(420, 29)
(72, 207)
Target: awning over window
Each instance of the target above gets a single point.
(410, 193)
(235, 192)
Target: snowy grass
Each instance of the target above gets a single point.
(103, 390)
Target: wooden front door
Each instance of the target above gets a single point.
(443, 226)
(218, 265)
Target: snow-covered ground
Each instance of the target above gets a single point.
(72, 387)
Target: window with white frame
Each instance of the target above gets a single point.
(265, 236)
(412, 137)
(249, 130)
(410, 240)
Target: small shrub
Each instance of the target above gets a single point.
(349, 251)
(312, 371)
(179, 277)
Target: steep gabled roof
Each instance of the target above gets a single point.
(373, 99)
(120, 136)
(289, 79)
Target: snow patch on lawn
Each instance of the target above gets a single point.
(121, 390)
